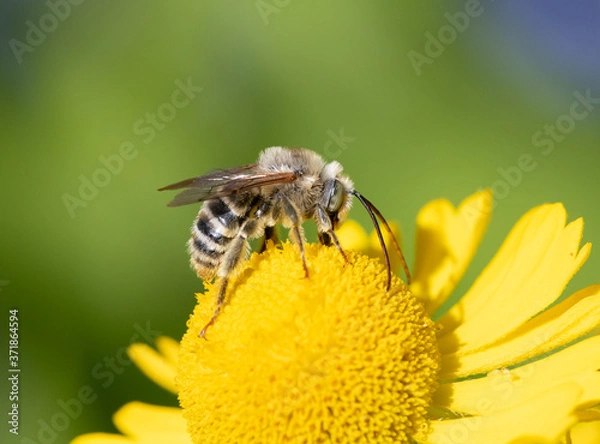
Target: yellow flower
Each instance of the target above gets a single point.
(292, 359)
(334, 358)
(146, 423)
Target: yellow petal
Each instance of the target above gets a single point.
(572, 318)
(533, 266)
(152, 424)
(169, 348)
(586, 433)
(352, 236)
(503, 389)
(102, 438)
(590, 383)
(155, 366)
(589, 415)
(542, 420)
(447, 239)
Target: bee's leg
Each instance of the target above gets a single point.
(298, 234)
(326, 233)
(220, 302)
(325, 239)
(337, 245)
(296, 231)
(234, 255)
(270, 234)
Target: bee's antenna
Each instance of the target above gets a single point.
(365, 204)
(394, 240)
(372, 209)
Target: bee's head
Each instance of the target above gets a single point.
(333, 207)
(336, 198)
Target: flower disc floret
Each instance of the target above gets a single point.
(329, 358)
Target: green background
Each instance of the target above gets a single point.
(293, 74)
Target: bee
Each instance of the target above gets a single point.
(285, 186)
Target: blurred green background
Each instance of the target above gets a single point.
(418, 100)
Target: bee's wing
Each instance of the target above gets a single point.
(219, 183)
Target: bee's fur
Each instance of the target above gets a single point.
(223, 226)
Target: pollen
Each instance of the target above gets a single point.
(328, 358)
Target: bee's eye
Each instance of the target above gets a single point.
(336, 194)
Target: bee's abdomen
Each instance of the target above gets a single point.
(214, 228)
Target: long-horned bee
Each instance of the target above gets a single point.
(286, 186)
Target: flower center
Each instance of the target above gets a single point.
(330, 358)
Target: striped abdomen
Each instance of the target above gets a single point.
(217, 224)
